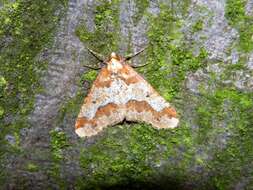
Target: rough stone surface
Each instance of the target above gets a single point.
(250, 62)
(65, 62)
(249, 7)
(216, 35)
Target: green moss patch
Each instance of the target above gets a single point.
(104, 39)
(89, 76)
(134, 154)
(170, 58)
(26, 28)
(58, 143)
(228, 112)
(141, 7)
(32, 167)
(198, 26)
(236, 15)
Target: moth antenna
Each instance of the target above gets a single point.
(97, 55)
(128, 57)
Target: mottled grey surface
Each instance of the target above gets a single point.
(132, 33)
(65, 60)
(250, 62)
(217, 37)
(249, 7)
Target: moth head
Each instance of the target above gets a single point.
(114, 57)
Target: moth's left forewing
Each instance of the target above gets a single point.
(98, 110)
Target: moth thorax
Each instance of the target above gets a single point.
(114, 65)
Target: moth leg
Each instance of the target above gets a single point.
(96, 55)
(138, 66)
(93, 68)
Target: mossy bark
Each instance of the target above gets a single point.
(211, 148)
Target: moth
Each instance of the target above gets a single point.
(119, 93)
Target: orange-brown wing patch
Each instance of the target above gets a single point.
(142, 111)
(104, 78)
(109, 114)
(128, 75)
(143, 106)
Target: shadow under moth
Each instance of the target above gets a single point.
(120, 93)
